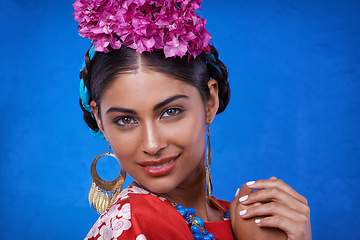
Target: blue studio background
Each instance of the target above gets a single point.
(294, 113)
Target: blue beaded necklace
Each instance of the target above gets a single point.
(195, 223)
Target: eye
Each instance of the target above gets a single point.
(124, 121)
(170, 112)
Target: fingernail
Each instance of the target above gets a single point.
(250, 183)
(237, 191)
(243, 198)
(243, 212)
(257, 221)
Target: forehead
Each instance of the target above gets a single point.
(145, 87)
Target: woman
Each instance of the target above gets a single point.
(151, 86)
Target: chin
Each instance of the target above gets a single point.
(162, 186)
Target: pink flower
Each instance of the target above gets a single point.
(144, 25)
(175, 48)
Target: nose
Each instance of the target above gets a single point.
(153, 141)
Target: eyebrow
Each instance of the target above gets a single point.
(119, 109)
(156, 107)
(168, 100)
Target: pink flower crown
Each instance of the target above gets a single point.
(144, 25)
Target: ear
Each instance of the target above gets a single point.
(95, 111)
(212, 105)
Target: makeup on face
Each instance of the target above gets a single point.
(156, 127)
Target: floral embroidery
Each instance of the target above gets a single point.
(141, 237)
(121, 224)
(117, 218)
(93, 232)
(125, 211)
(105, 232)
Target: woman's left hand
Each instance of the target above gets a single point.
(280, 207)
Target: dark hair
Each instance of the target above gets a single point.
(104, 67)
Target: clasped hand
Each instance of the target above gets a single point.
(270, 209)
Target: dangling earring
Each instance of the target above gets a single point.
(103, 193)
(209, 186)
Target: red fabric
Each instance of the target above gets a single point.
(139, 215)
(221, 230)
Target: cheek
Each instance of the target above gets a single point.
(191, 133)
(124, 145)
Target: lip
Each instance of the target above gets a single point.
(159, 167)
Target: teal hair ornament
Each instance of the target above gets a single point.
(212, 64)
(97, 133)
(85, 95)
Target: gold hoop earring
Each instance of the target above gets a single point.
(209, 187)
(103, 193)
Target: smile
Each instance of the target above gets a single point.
(159, 167)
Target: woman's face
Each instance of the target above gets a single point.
(156, 127)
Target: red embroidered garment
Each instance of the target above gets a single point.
(140, 215)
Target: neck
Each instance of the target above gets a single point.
(191, 193)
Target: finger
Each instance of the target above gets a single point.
(273, 209)
(234, 201)
(276, 183)
(235, 206)
(275, 195)
(293, 229)
(241, 192)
